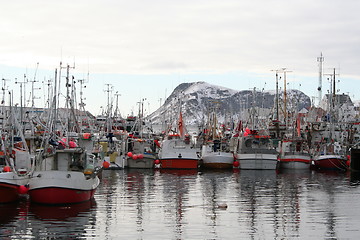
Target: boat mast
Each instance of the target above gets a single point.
(277, 103)
(3, 106)
(277, 96)
(320, 61)
(55, 106)
(117, 106)
(22, 98)
(109, 108)
(334, 90)
(285, 94)
(67, 98)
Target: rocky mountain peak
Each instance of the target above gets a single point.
(197, 99)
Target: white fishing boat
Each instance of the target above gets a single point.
(255, 147)
(214, 156)
(294, 154)
(141, 153)
(14, 175)
(64, 171)
(256, 151)
(216, 151)
(16, 164)
(65, 176)
(141, 149)
(177, 151)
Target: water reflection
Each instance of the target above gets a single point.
(8, 212)
(355, 178)
(191, 204)
(176, 194)
(138, 185)
(46, 222)
(62, 212)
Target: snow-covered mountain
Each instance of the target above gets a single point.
(198, 98)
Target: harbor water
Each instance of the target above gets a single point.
(191, 204)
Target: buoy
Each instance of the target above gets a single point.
(72, 144)
(7, 169)
(87, 136)
(88, 171)
(236, 164)
(134, 157)
(106, 164)
(129, 154)
(23, 189)
(63, 142)
(222, 205)
(157, 161)
(140, 156)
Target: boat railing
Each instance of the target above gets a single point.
(297, 153)
(258, 151)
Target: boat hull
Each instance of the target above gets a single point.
(9, 186)
(218, 160)
(8, 193)
(62, 187)
(175, 153)
(330, 162)
(58, 195)
(295, 162)
(258, 161)
(146, 162)
(179, 163)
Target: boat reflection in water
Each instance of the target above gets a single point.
(61, 212)
(29, 220)
(191, 204)
(8, 213)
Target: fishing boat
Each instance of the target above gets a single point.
(216, 151)
(141, 153)
(16, 164)
(330, 156)
(141, 149)
(64, 176)
(65, 172)
(12, 184)
(14, 174)
(294, 154)
(111, 150)
(256, 151)
(217, 155)
(294, 148)
(177, 151)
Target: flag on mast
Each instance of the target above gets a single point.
(180, 125)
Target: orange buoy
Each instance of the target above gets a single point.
(7, 169)
(236, 164)
(23, 189)
(106, 164)
(86, 135)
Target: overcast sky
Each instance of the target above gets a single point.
(144, 48)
